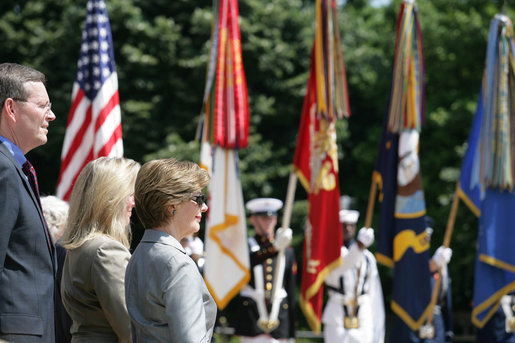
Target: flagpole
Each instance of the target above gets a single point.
(446, 242)
(279, 269)
(452, 218)
(371, 201)
(290, 195)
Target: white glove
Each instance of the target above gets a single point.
(366, 236)
(442, 256)
(282, 238)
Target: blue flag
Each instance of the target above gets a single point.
(486, 181)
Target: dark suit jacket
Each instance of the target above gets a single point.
(27, 263)
(63, 321)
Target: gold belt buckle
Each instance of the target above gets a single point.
(351, 322)
(268, 325)
(427, 331)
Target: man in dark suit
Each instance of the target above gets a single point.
(257, 321)
(27, 253)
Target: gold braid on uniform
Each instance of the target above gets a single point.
(266, 250)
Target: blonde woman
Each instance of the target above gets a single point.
(167, 298)
(97, 239)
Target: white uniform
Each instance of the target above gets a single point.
(342, 289)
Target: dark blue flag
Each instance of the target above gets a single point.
(469, 185)
(403, 242)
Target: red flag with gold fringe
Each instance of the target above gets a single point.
(316, 161)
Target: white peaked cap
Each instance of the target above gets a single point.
(349, 216)
(264, 206)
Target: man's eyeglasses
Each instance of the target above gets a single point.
(200, 199)
(45, 108)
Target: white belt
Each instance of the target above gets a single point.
(255, 294)
(267, 321)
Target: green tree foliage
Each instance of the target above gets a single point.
(161, 52)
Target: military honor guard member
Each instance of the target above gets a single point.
(258, 319)
(354, 312)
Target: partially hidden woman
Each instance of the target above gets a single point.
(167, 298)
(97, 239)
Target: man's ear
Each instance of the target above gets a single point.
(9, 110)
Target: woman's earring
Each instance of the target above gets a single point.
(174, 212)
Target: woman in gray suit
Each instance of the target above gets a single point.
(167, 298)
(97, 239)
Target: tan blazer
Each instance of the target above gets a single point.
(93, 291)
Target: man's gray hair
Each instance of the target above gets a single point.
(12, 79)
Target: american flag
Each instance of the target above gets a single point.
(94, 126)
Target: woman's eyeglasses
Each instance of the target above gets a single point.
(200, 199)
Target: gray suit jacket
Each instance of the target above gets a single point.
(93, 291)
(27, 262)
(167, 298)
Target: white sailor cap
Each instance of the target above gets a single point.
(264, 206)
(349, 216)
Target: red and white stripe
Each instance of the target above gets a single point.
(94, 130)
